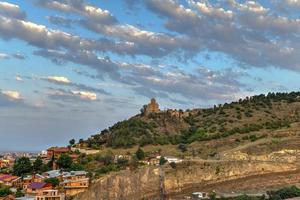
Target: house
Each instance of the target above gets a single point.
(55, 152)
(36, 188)
(53, 174)
(75, 182)
(5, 163)
(50, 195)
(10, 181)
(32, 178)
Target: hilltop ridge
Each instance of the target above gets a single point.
(252, 114)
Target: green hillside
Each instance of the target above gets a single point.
(262, 112)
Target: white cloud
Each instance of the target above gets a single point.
(86, 95)
(3, 56)
(292, 2)
(207, 9)
(12, 95)
(91, 12)
(18, 78)
(11, 10)
(58, 79)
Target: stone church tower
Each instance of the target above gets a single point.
(152, 107)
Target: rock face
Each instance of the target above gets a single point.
(125, 185)
(151, 183)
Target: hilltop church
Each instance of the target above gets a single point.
(152, 107)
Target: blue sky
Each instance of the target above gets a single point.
(69, 68)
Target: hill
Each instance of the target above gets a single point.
(247, 116)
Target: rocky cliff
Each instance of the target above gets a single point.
(151, 183)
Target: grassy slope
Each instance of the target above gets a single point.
(251, 115)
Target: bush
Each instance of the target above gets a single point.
(253, 138)
(284, 193)
(162, 160)
(140, 154)
(5, 191)
(182, 147)
(173, 165)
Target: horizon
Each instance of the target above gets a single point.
(69, 69)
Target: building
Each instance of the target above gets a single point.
(31, 179)
(53, 174)
(36, 188)
(152, 107)
(10, 181)
(55, 152)
(5, 163)
(75, 182)
(50, 195)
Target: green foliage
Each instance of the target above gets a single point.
(201, 125)
(22, 166)
(107, 169)
(253, 138)
(38, 165)
(64, 161)
(4, 191)
(182, 147)
(162, 160)
(134, 162)
(76, 167)
(284, 193)
(129, 133)
(212, 196)
(173, 165)
(53, 181)
(19, 193)
(122, 162)
(140, 154)
(72, 142)
(106, 159)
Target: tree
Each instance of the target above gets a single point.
(4, 191)
(19, 193)
(64, 161)
(134, 162)
(140, 154)
(76, 167)
(72, 142)
(162, 160)
(22, 166)
(143, 110)
(173, 165)
(38, 164)
(53, 181)
(182, 147)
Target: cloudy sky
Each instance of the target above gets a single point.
(69, 68)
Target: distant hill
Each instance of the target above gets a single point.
(252, 114)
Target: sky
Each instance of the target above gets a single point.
(70, 68)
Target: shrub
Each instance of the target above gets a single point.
(284, 193)
(173, 165)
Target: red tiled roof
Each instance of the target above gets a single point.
(7, 177)
(59, 149)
